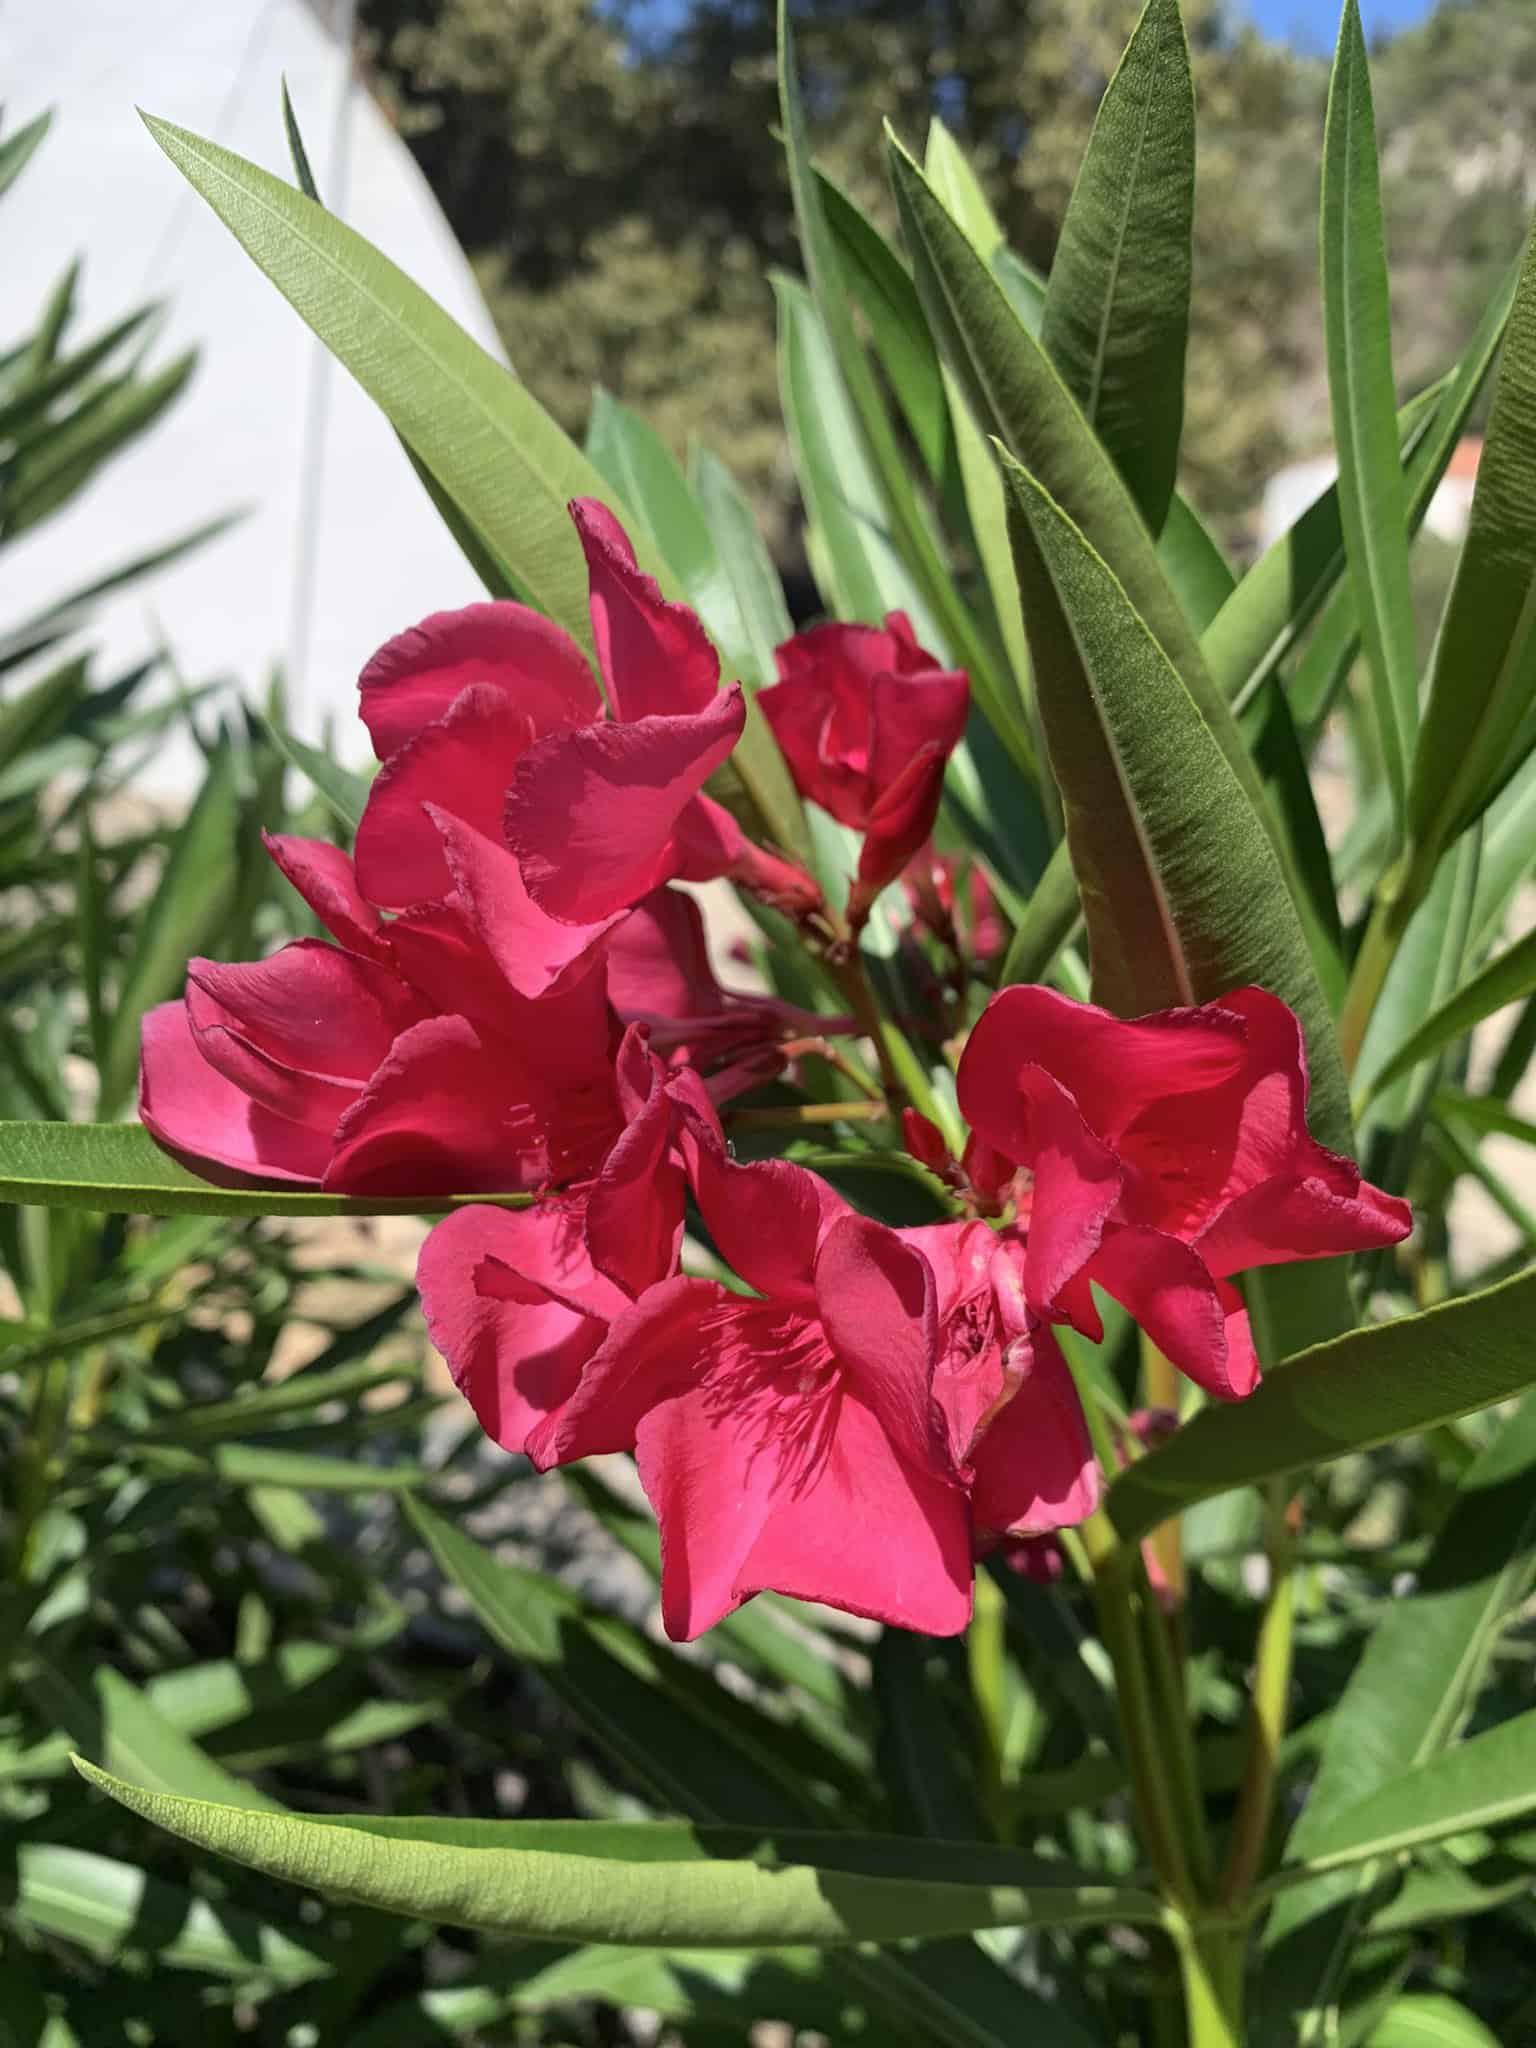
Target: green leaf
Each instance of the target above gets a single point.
(765, 618)
(120, 1169)
(1276, 600)
(1196, 567)
(1415, 1682)
(1506, 978)
(1478, 725)
(1481, 1783)
(1428, 2019)
(110, 1909)
(1360, 1390)
(1117, 301)
(185, 913)
(298, 155)
(1182, 891)
(32, 717)
(1357, 331)
(888, 300)
(684, 1740)
(123, 1729)
(492, 447)
(949, 172)
(1014, 387)
(345, 791)
(17, 148)
(555, 1895)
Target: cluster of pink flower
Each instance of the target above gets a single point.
(518, 1000)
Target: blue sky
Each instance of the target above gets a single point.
(1313, 24)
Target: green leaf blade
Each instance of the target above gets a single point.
(1117, 300)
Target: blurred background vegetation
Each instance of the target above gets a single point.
(614, 172)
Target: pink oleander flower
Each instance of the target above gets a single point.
(518, 1301)
(866, 720)
(1158, 1156)
(504, 780)
(398, 1061)
(659, 975)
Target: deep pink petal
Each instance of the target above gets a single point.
(899, 823)
(1112, 1067)
(1076, 1185)
(463, 763)
(414, 678)
(591, 813)
(1167, 1288)
(1034, 1468)
(1311, 1218)
(324, 877)
(767, 1220)
(536, 952)
(877, 1304)
(310, 1006)
(912, 715)
(514, 1305)
(286, 1090)
(656, 657)
(659, 1344)
(446, 1113)
(869, 1534)
(635, 1204)
(209, 1124)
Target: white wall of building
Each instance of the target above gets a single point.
(245, 432)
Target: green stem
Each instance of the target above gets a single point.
(1270, 1699)
(790, 1115)
(1397, 897)
(1212, 1956)
(1115, 1596)
(1167, 1688)
(985, 1652)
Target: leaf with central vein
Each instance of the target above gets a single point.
(1183, 893)
(1011, 382)
(1506, 978)
(1482, 1783)
(552, 1895)
(1422, 1664)
(1357, 330)
(1117, 301)
(1485, 656)
(1360, 1390)
(119, 1169)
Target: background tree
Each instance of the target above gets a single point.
(614, 173)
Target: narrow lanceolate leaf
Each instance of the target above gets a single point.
(1428, 2019)
(185, 915)
(1357, 328)
(1182, 890)
(493, 448)
(120, 1169)
(1013, 386)
(1486, 1782)
(745, 558)
(1411, 1690)
(1195, 566)
(1117, 302)
(1478, 724)
(343, 789)
(553, 1895)
(887, 298)
(1506, 978)
(1367, 1388)
(16, 149)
